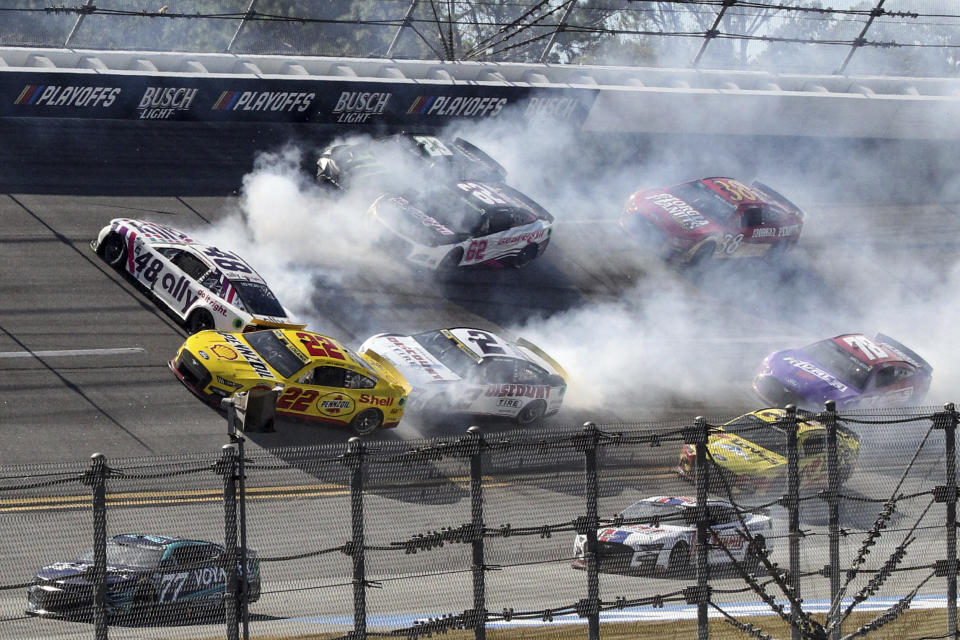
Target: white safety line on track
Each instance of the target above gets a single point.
(71, 352)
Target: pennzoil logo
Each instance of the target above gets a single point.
(287, 101)
(335, 405)
(470, 107)
(161, 103)
(52, 95)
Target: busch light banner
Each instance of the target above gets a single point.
(225, 99)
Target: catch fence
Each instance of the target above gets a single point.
(826, 525)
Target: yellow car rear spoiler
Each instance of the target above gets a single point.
(526, 344)
(398, 378)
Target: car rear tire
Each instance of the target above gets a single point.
(113, 250)
(526, 256)
(366, 422)
(702, 256)
(200, 320)
(532, 413)
(678, 564)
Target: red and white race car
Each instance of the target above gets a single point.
(465, 370)
(692, 222)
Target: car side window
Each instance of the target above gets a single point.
(190, 265)
(354, 380)
(189, 555)
(324, 376)
(752, 217)
(500, 220)
(885, 377)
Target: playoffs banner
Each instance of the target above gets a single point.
(345, 102)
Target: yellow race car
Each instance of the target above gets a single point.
(322, 379)
(751, 453)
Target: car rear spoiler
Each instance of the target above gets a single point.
(478, 154)
(776, 195)
(529, 346)
(398, 377)
(907, 354)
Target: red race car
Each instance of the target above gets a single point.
(693, 222)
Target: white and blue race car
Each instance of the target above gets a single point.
(200, 285)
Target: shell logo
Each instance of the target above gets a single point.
(335, 405)
(224, 352)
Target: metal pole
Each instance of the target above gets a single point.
(476, 521)
(793, 509)
(712, 31)
(406, 21)
(832, 496)
(702, 472)
(243, 21)
(560, 27)
(355, 452)
(76, 25)
(950, 438)
(592, 608)
(228, 468)
(860, 41)
(98, 478)
(242, 500)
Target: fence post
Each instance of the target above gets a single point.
(947, 420)
(832, 497)
(476, 523)
(792, 502)
(591, 608)
(97, 479)
(702, 474)
(227, 467)
(354, 461)
(243, 580)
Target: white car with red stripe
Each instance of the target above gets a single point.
(474, 371)
(202, 286)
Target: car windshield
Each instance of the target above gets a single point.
(450, 207)
(709, 203)
(760, 433)
(834, 359)
(128, 555)
(276, 352)
(258, 299)
(448, 352)
(646, 509)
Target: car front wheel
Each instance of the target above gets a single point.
(200, 320)
(532, 413)
(113, 250)
(366, 422)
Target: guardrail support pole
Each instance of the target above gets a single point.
(947, 420)
(702, 474)
(832, 497)
(227, 467)
(792, 501)
(354, 460)
(476, 521)
(97, 479)
(592, 605)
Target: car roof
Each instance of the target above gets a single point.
(294, 337)
(867, 350)
(718, 184)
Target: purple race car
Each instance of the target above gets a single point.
(851, 369)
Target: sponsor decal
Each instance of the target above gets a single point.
(224, 352)
(789, 230)
(249, 355)
(52, 95)
(228, 383)
(457, 106)
(161, 103)
(518, 391)
(335, 405)
(764, 232)
(550, 108)
(213, 302)
(359, 106)
(208, 576)
(528, 237)
(508, 402)
(366, 398)
(424, 219)
(413, 358)
(813, 369)
(732, 448)
(685, 215)
(287, 101)
(203, 354)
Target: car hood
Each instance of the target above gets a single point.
(230, 357)
(80, 573)
(403, 217)
(640, 534)
(742, 457)
(811, 381)
(408, 356)
(671, 213)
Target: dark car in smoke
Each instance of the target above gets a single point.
(851, 369)
(693, 222)
(147, 575)
(442, 204)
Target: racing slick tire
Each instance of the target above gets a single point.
(702, 256)
(526, 256)
(366, 422)
(532, 413)
(113, 250)
(200, 320)
(751, 561)
(450, 263)
(678, 564)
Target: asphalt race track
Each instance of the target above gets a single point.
(84, 354)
